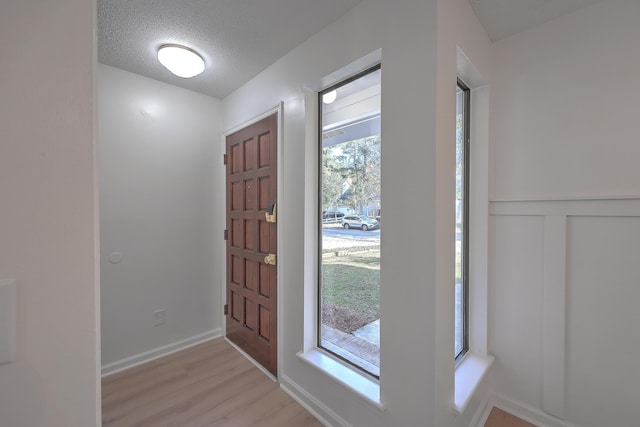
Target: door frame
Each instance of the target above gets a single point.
(279, 236)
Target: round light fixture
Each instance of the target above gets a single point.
(329, 97)
(180, 60)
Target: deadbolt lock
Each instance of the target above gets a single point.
(270, 259)
(270, 214)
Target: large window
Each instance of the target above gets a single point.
(462, 220)
(350, 220)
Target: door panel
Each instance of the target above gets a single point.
(251, 283)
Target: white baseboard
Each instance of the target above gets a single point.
(482, 413)
(525, 412)
(318, 409)
(148, 356)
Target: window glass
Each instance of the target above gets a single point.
(349, 185)
(462, 226)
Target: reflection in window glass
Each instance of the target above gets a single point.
(350, 221)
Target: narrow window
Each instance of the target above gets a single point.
(349, 220)
(462, 221)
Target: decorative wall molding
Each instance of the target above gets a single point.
(557, 215)
(554, 291)
(603, 206)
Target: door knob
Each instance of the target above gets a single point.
(270, 259)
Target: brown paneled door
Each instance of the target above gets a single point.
(251, 240)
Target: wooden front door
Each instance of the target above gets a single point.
(251, 279)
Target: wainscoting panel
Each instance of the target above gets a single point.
(603, 320)
(565, 306)
(515, 304)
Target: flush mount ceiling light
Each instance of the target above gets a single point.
(329, 97)
(180, 60)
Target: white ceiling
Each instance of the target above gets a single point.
(237, 38)
(240, 38)
(503, 18)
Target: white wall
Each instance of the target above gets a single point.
(461, 34)
(158, 150)
(48, 214)
(418, 125)
(565, 217)
(565, 105)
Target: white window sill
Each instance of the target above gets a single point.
(359, 382)
(469, 374)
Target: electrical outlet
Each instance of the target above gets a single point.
(159, 316)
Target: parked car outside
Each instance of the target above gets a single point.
(332, 216)
(359, 221)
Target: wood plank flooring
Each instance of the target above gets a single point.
(207, 385)
(500, 418)
(211, 385)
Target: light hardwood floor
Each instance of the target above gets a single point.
(211, 385)
(207, 385)
(500, 418)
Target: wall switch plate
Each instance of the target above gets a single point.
(8, 310)
(159, 317)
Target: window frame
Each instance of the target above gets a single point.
(319, 146)
(466, 114)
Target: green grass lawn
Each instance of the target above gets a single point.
(351, 290)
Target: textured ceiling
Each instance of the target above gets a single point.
(240, 38)
(503, 18)
(237, 38)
